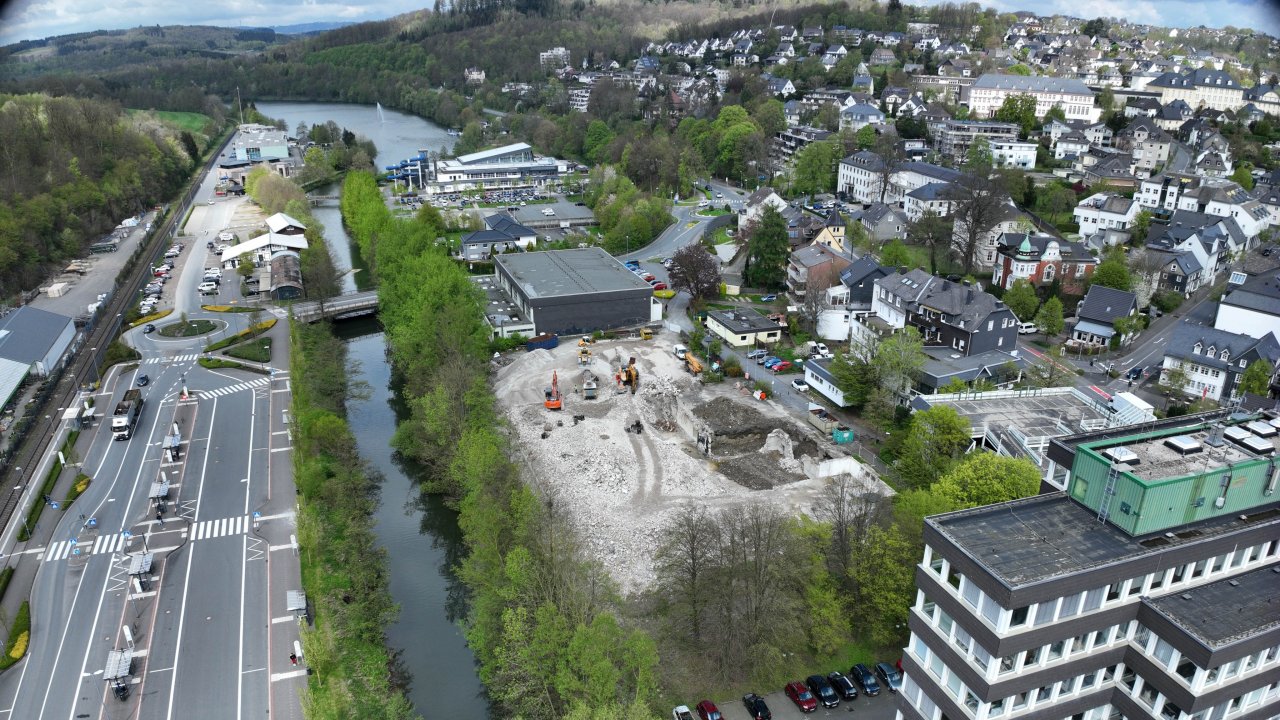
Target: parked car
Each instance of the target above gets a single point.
(800, 384)
(756, 707)
(757, 353)
(863, 676)
(889, 676)
(765, 359)
(822, 690)
(768, 298)
(1027, 328)
(633, 265)
(822, 350)
(843, 685)
(770, 361)
(681, 712)
(659, 285)
(801, 696)
(707, 710)
(782, 366)
(649, 277)
(143, 380)
(148, 329)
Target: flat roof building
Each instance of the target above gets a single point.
(509, 166)
(574, 291)
(1146, 590)
(743, 328)
(256, 142)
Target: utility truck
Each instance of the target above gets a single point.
(126, 415)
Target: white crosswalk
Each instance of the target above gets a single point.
(234, 388)
(175, 359)
(203, 530)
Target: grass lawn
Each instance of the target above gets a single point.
(189, 121)
(190, 328)
(253, 350)
(721, 237)
(920, 259)
(713, 212)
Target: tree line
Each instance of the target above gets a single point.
(544, 620)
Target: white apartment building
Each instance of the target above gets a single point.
(1105, 211)
(989, 91)
(1090, 604)
(1014, 153)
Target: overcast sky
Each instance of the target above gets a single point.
(31, 19)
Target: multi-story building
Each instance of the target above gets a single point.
(508, 166)
(1147, 143)
(1040, 260)
(255, 143)
(989, 91)
(792, 140)
(1172, 192)
(1146, 590)
(554, 59)
(1200, 88)
(1106, 212)
(1250, 307)
(816, 265)
(1212, 360)
(947, 314)
(1014, 153)
(957, 136)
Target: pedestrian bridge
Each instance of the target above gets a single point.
(341, 307)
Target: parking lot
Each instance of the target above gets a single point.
(880, 707)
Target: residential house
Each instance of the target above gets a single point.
(950, 314)
(743, 327)
(1148, 144)
(1098, 313)
(931, 197)
(884, 222)
(501, 234)
(1198, 247)
(817, 373)
(859, 177)
(1011, 220)
(1212, 360)
(1252, 307)
(1042, 260)
(942, 367)
(882, 56)
(1173, 115)
(832, 234)
(753, 207)
(1014, 154)
(856, 117)
(814, 263)
(1070, 145)
(1104, 212)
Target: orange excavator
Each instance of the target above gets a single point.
(553, 401)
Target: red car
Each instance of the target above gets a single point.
(648, 277)
(779, 367)
(659, 286)
(707, 710)
(800, 695)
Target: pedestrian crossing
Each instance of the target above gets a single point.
(115, 542)
(260, 382)
(222, 527)
(174, 359)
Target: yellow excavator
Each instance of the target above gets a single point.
(584, 357)
(553, 401)
(630, 375)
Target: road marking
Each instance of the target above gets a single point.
(238, 387)
(283, 619)
(175, 359)
(276, 677)
(286, 448)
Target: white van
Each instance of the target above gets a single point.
(548, 212)
(208, 288)
(680, 351)
(1027, 328)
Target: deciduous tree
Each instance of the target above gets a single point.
(1049, 318)
(1021, 299)
(696, 271)
(1256, 378)
(985, 478)
(936, 439)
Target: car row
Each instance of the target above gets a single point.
(827, 691)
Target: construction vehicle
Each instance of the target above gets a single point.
(126, 415)
(553, 401)
(629, 376)
(584, 341)
(584, 357)
(589, 385)
(646, 334)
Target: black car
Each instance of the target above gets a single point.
(822, 690)
(863, 677)
(1135, 373)
(143, 380)
(148, 329)
(843, 686)
(756, 707)
(889, 676)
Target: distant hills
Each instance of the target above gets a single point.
(309, 28)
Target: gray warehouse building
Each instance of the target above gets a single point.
(575, 291)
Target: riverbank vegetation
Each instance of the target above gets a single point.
(544, 622)
(344, 570)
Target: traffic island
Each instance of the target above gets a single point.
(188, 328)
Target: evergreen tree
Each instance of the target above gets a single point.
(767, 251)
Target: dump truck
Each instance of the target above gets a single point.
(126, 415)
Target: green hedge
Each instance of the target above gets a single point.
(19, 637)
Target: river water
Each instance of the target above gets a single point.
(421, 536)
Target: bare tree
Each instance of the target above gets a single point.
(816, 283)
(979, 204)
(1145, 265)
(685, 566)
(934, 233)
(695, 271)
(851, 511)
(891, 158)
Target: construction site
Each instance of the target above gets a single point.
(622, 436)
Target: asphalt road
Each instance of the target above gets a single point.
(210, 632)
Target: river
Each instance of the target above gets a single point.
(421, 536)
